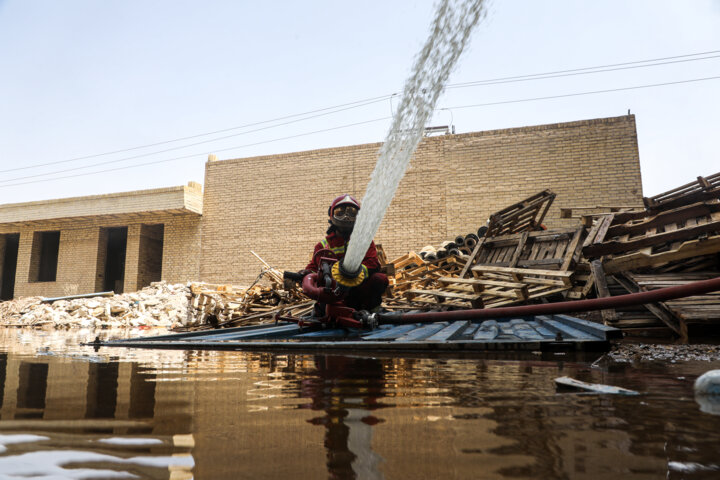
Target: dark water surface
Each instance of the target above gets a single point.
(71, 412)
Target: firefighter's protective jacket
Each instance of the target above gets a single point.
(337, 244)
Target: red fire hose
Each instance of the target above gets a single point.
(659, 295)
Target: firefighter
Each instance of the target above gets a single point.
(342, 214)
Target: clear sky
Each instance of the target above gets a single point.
(81, 78)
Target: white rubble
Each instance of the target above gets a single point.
(159, 305)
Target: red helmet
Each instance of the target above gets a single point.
(341, 200)
(344, 219)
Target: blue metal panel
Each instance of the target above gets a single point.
(423, 332)
(487, 331)
(273, 331)
(566, 331)
(525, 331)
(450, 332)
(391, 334)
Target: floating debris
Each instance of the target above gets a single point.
(567, 382)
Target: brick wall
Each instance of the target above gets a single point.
(151, 254)
(277, 205)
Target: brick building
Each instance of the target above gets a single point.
(276, 206)
(119, 241)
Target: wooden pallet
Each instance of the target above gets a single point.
(640, 259)
(525, 215)
(699, 309)
(549, 249)
(704, 188)
(658, 232)
(503, 286)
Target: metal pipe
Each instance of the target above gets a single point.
(323, 295)
(659, 295)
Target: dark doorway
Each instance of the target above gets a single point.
(9, 266)
(115, 259)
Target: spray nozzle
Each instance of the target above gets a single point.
(347, 278)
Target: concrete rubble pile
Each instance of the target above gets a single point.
(159, 305)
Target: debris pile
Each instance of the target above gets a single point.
(674, 240)
(159, 305)
(627, 352)
(229, 306)
(516, 261)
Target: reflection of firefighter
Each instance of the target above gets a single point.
(347, 389)
(342, 214)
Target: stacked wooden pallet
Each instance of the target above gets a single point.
(495, 281)
(416, 284)
(517, 261)
(673, 241)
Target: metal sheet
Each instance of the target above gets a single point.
(536, 333)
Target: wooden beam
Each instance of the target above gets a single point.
(608, 315)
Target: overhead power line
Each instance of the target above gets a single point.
(308, 115)
(570, 73)
(198, 154)
(550, 97)
(356, 104)
(477, 105)
(118, 160)
(598, 69)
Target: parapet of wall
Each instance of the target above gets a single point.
(179, 199)
(277, 205)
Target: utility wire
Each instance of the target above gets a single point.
(359, 103)
(530, 78)
(594, 92)
(198, 154)
(620, 89)
(106, 162)
(336, 108)
(592, 68)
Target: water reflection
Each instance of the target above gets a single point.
(117, 413)
(347, 390)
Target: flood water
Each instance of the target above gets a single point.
(72, 412)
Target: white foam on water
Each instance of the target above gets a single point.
(450, 32)
(49, 465)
